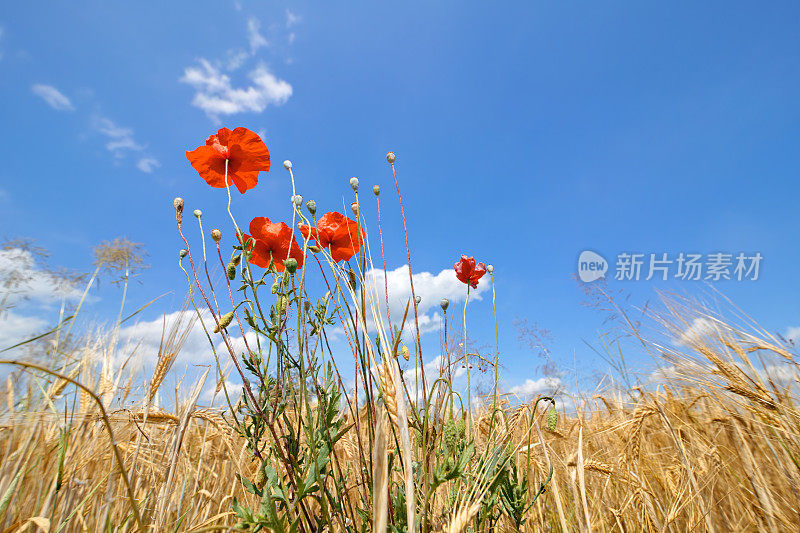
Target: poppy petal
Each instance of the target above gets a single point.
(247, 148)
(209, 164)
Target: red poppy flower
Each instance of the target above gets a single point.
(468, 272)
(242, 150)
(273, 241)
(259, 254)
(336, 231)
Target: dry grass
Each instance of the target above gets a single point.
(715, 450)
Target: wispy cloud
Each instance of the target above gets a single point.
(216, 95)
(52, 96)
(793, 334)
(148, 164)
(120, 141)
(292, 19)
(254, 36)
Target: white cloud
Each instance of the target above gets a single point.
(701, 328)
(544, 385)
(793, 334)
(120, 139)
(15, 328)
(30, 281)
(215, 94)
(431, 288)
(236, 58)
(291, 19)
(52, 96)
(26, 285)
(148, 164)
(254, 37)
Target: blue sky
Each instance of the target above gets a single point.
(524, 135)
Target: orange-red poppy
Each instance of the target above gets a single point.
(244, 153)
(337, 232)
(273, 241)
(468, 272)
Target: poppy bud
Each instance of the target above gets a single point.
(216, 235)
(224, 322)
(287, 165)
(178, 203)
(314, 249)
(417, 299)
(444, 304)
(552, 418)
(230, 270)
(291, 265)
(354, 184)
(354, 207)
(390, 157)
(376, 190)
(183, 253)
(352, 277)
(275, 287)
(489, 269)
(281, 305)
(311, 205)
(197, 213)
(236, 258)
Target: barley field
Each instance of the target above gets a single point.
(87, 444)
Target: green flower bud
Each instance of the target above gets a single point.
(224, 322)
(183, 253)
(231, 270)
(311, 205)
(291, 265)
(376, 190)
(216, 235)
(552, 418)
(445, 303)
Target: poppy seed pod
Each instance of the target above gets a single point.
(418, 299)
(354, 207)
(311, 205)
(489, 269)
(216, 235)
(390, 157)
(376, 190)
(224, 322)
(291, 265)
(178, 203)
(297, 200)
(354, 184)
(444, 304)
(197, 213)
(287, 165)
(183, 253)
